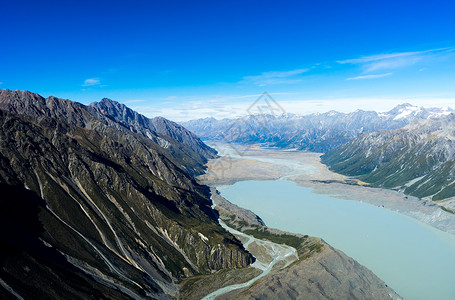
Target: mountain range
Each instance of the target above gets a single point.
(418, 159)
(408, 148)
(317, 132)
(94, 206)
(100, 202)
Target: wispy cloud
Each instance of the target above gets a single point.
(91, 82)
(396, 60)
(134, 101)
(275, 77)
(372, 76)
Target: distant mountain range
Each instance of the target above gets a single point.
(315, 132)
(408, 148)
(418, 159)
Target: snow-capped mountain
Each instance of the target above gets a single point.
(318, 132)
(410, 112)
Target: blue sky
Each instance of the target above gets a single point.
(185, 59)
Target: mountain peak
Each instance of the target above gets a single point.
(404, 105)
(110, 102)
(104, 100)
(404, 111)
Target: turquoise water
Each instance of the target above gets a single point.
(416, 260)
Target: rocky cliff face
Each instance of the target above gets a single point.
(418, 159)
(90, 208)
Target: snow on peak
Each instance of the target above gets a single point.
(408, 110)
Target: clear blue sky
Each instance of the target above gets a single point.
(212, 57)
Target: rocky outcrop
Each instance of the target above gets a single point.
(226, 208)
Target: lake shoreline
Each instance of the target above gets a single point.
(306, 170)
(257, 163)
(308, 259)
(394, 235)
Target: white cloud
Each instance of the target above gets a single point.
(379, 57)
(396, 60)
(91, 82)
(275, 77)
(372, 76)
(346, 105)
(134, 101)
(217, 106)
(236, 106)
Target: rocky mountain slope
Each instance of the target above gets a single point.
(417, 159)
(92, 209)
(188, 151)
(328, 274)
(139, 123)
(315, 132)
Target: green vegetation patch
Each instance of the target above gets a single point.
(200, 286)
(447, 209)
(264, 234)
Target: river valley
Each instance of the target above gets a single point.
(393, 235)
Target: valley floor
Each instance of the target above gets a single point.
(239, 163)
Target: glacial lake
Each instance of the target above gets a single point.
(416, 260)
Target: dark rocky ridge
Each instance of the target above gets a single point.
(92, 209)
(188, 152)
(139, 123)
